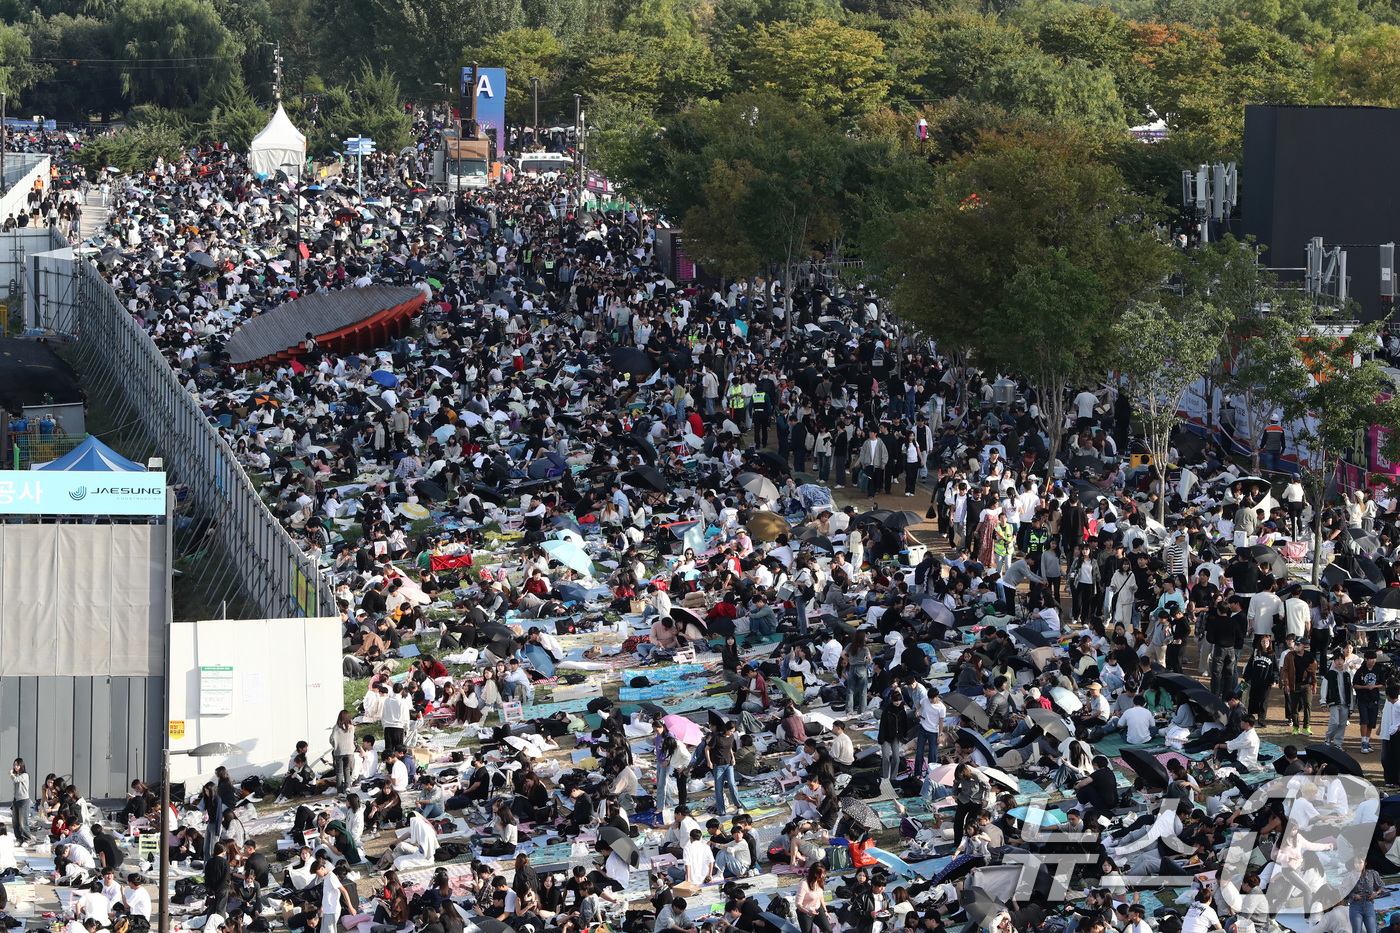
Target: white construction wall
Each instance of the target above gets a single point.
(262, 685)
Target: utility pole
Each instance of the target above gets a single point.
(578, 148)
(536, 124)
(470, 125)
(277, 71)
(3, 186)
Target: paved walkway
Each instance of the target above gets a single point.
(94, 213)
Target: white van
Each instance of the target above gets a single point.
(548, 164)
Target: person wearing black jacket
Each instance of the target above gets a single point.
(217, 876)
(1226, 627)
(1098, 791)
(256, 867)
(1261, 673)
(582, 813)
(741, 914)
(894, 728)
(867, 902)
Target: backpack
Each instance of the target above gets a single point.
(838, 858)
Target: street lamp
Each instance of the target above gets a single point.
(536, 82)
(207, 750)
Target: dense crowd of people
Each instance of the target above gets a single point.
(570, 467)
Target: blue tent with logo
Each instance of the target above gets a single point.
(95, 456)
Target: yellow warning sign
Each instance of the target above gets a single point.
(177, 728)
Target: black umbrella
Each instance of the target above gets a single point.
(717, 719)
(1333, 574)
(970, 712)
(621, 843)
(820, 542)
(873, 517)
(978, 742)
(1364, 539)
(427, 489)
(1052, 724)
(1389, 598)
(490, 925)
(648, 477)
(1152, 771)
(903, 519)
(861, 813)
(1334, 756)
(1086, 465)
(1029, 636)
(539, 468)
(1360, 590)
(1271, 559)
(631, 360)
(1209, 703)
(1175, 684)
(771, 458)
(1368, 570)
(641, 445)
(487, 494)
(200, 259)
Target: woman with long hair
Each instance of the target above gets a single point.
(342, 749)
(811, 900)
(19, 801)
(858, 677)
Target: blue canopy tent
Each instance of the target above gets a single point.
(95, 456)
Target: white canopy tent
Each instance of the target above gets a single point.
(279, 147)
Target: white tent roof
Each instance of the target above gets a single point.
(280, 146)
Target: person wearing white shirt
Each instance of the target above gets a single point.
(699, 861)
(398, 774)
(93, 904)
(618, 871)
(1137, 920)
(1084, 404)
(1138, 723)
(1200, 917)
(678, 835)
(831, 653)
(1303, 812)
(843, 750)
(1245, 746)
(136, 897)
(1262, 609)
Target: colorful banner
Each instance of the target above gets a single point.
(490, 102)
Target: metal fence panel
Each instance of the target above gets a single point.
(268, 563)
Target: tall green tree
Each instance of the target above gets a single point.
(1161, 352)
(151, 34)
(234, 116)
(1027, 206)
(1072, 94)
(836, 71)
(1050, 326)
(67, 91)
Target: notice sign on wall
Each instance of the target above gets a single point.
(215, 691)
(177, 728)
